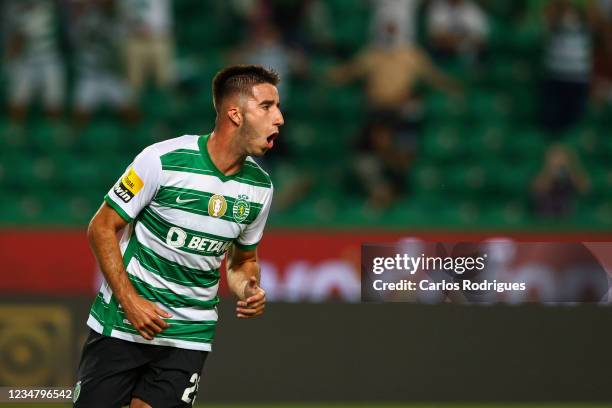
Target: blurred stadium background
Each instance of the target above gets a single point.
(405, 119)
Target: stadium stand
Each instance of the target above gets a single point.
(474, 165)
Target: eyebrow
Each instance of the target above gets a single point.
(269, 102)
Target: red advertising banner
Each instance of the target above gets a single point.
(297, 265)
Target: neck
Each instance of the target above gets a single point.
(224, 150)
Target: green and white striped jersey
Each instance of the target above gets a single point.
(183, 214)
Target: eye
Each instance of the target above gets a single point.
(266, 107)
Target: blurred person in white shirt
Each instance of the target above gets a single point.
(33, 60)
(100, 78)
(150, 44)
(457, 28)
(402, 14)
(601, 11)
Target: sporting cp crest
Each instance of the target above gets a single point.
(241, 208)
(217, 206)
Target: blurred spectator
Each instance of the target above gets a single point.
(391, 70)
(558, 184)
(601, 10)
(33, 59)
(266, 48)
(288, 16)
(399, 13)
(317, 27)
(251, 13)
(95, 33)
(302, 24)
(149, 43)
(567, 65)
(457, 28)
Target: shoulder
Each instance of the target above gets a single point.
(153, 155)
(252, 173)
(185, 142)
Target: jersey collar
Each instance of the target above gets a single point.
(203, 146)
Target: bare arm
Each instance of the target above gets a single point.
(102, 236)
(438, 79)
(243, 277)
(349, 71)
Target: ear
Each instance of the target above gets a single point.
(235, 115)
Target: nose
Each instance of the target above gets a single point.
(279, 120)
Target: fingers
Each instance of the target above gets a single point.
(145, 331)
(157, 324)
(149, 322)
(254, 300)
(253, 305)
(251, 309)
(250, 315)
(256, 297)
(162, 313)
(250, 301)
(145, 334)
(149, 329)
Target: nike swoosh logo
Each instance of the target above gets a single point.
(179, 201)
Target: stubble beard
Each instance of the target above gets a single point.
(247, 134)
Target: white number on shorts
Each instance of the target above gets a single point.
(187, 394)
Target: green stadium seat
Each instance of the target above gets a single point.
(467, 179)
(350, 23)
(12, 138)
(491, 105)
(603, 214)
(30, 208)
(525, 142)
(426, 177)
(103, 136)
(46, 137)
(9, 211)
(83, 172)
(513, 179)
(444, 143)
(441, 107)
(18, 171)
(600, 176)
(316, 140)
(589, 142)
(486, 141)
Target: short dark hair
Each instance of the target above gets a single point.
(240, 79)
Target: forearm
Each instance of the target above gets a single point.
(442, 82)
(342, 74)
(238, 277)
(105, 246)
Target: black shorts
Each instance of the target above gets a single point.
(113, 371)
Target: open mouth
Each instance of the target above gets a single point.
(272, 137)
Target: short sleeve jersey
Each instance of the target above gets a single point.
(183, 214)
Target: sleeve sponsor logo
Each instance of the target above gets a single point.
(128, 186)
